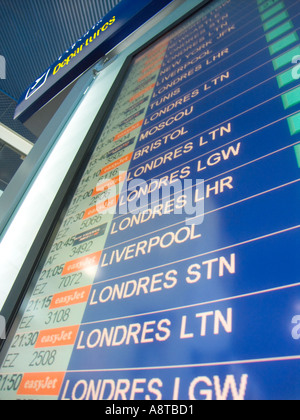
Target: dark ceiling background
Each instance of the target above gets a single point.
(33, 35)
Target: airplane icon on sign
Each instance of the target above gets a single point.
(37, 85)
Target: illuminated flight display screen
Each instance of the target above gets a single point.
(174, 274)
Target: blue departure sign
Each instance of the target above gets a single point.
(117, 25)
(175, 272)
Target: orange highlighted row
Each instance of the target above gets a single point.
(82, 263)
(116, 164)
(129, 130)
(159, 47)
(160, 56)
(57, 337)
(41, 384)
(101, 207)
(147, 89)
(151, 64)
(153, 51)
(73, 297)
(109, 184)
(149, 73)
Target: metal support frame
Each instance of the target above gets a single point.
(15, 141)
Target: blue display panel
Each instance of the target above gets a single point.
(174, 273)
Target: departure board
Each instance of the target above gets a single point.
(174, 274)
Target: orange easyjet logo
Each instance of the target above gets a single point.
(57, 337)
(101, 207)
(73, 297)
(41, 384)
(116, 164)
(82, 263)
(129, 130)
(109, 184)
